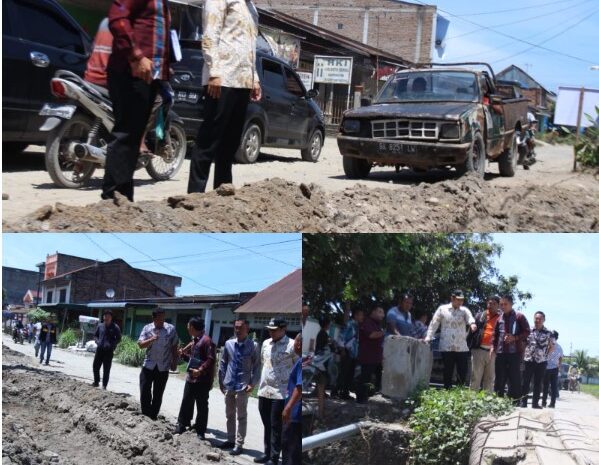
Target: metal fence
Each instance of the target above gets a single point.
(333, 108)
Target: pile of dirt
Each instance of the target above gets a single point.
(48, 418)
(454, 205)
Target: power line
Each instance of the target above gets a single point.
(511, 36)
(511, 10)
(523, 20)
(211, 236)
(166, 267)
(217, 251)
(98, 245)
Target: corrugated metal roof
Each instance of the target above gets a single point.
(284, 296)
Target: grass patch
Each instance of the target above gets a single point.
(67, 338)
(592, 389)
(129, 353)
(444, 420)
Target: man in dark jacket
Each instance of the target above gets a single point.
(108, 336)
(200, 377)
(47, 339)
(509, 341)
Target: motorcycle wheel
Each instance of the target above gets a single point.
(163, 168)
(64, 170)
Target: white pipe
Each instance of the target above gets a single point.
(321, 439)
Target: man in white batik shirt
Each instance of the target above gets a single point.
(453, 319)
(230, 79)
(278, 358)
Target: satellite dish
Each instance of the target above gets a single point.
(110, 293)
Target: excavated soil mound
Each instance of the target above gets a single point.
(48, 418)
(464, 204)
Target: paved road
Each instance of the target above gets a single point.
(125, 379)
(29, 187)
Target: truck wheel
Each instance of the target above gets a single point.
(475, 161)
(508, 160)
(356, 168)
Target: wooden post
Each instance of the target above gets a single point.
(578, 122)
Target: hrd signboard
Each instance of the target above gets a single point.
(333, 70)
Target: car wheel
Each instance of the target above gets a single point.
(249, 150)
(312, 152)
(356, 168)
(476, 159)
(508, 160)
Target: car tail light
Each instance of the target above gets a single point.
(58, 88)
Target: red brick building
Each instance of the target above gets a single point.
(401, 28)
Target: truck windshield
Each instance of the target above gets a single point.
(430, 86)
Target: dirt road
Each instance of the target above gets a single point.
(316, 197)
(69, 375)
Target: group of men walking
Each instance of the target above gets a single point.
(275, 369)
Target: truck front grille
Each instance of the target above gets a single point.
(405, 129)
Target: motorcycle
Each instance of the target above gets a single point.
(79, 131)
(17, 336)
(314, 365)
(526, 148)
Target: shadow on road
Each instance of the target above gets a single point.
(32, 159)
(94, 184)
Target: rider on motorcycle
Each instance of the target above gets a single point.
(573, 377)
(529, 141)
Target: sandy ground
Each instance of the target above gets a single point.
(550, 191)
(72, 371)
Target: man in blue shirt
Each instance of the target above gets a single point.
(239, 372)
(399, 319)
(292, 413)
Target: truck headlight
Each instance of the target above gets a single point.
(350, 126)
(450, 131)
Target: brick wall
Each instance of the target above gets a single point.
(15, 283)
(392, 26)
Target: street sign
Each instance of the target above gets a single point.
(306, 79)
(333, 70)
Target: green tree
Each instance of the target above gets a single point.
(345, 270)
(38, 315)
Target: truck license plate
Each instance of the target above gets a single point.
(395, 147)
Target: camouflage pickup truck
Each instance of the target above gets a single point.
(436, 117)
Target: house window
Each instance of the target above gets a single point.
(49, 297)
(339, 25)
(62, 296)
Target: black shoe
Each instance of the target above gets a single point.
(537, 406)
(179, 429)
(237, 450)
(95, 384)
(272, 462)
(47, 363)
(226, 445)
(201, 436)
(551, 405)
(262, 459)
(104, 387)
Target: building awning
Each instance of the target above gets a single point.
(120, 305)
(63, 306)
(284, 296)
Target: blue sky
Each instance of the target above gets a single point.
(562, 272)
(203, 258)
(575, 23)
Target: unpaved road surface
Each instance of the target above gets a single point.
(283, 193)
(48, 418)
(69, 370)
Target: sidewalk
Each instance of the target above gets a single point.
(125, 379)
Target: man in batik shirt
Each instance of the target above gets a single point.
(539, 345)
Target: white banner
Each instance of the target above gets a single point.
(333, 70)
(566, 107)
(306, 79)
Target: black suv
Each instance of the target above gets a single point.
(38, 37)
(285, 117)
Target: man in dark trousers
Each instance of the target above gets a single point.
(107, 337)
(200, 375)
(370, 353)
(230, 79)
(292, 413)
(47, 339)
(161, 341)
(138, 62)
(509, 339)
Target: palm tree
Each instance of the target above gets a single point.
(583, 360)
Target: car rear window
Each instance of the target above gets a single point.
(46, 27)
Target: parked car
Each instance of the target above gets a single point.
(435, 118)
(286, 117)
(38, 38)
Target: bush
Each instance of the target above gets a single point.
(38, 315)
(444, 421)
(129, 353)
(587, 149)
(67, 338)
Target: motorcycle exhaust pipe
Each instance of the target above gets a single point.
(87, 152)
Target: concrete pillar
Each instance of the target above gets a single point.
(407, 363)
(208, 320)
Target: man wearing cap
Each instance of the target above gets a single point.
(453, 318)
(483, 361)
(509, 340)
(161, 341)
(107, 337)
(278, 359)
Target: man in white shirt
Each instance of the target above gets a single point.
(453, 318)
(278, 358)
